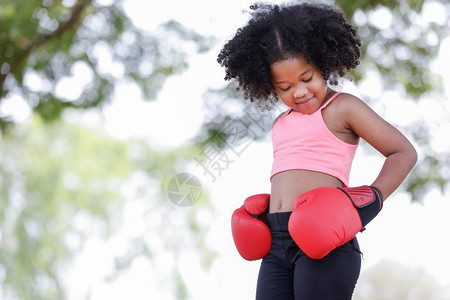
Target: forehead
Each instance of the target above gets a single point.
(291, 67)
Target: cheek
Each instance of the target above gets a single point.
(322, 82)
(319, 88)
(286, 99)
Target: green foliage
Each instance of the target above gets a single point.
(433, 170)
(48, 39)
(403, 51)
(61, 184)
(51, 177)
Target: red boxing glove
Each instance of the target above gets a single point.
(251, 234)
(324, 218)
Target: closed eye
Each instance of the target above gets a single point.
(305, 81)
(309, 79)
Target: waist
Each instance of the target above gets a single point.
(288, 185)
(278, 221)
(338, 169)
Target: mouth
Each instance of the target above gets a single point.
(303, 102)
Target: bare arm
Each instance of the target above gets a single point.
(391, 143)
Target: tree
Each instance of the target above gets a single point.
(61, 183)
(54, 174)
(62, 38)
(402, 51)
(44, 42)
(49, 177)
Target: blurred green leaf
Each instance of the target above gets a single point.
(61, 184)
(49, 40)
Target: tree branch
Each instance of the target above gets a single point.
(42, 39)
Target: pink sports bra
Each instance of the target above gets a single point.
(302, 141)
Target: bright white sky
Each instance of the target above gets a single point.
(411, 234)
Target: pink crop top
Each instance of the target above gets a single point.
(302, 141)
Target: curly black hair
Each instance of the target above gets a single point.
(317, 32)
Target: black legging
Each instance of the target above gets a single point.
(286, 273)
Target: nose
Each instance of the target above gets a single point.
(300, 90)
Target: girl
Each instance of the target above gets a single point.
(296, 53)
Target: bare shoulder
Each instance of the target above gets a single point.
(351, 110)
(338, 115)
(345, 102)
(367, 124)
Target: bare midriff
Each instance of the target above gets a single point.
(288, 185)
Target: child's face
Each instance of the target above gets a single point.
(299, 85)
